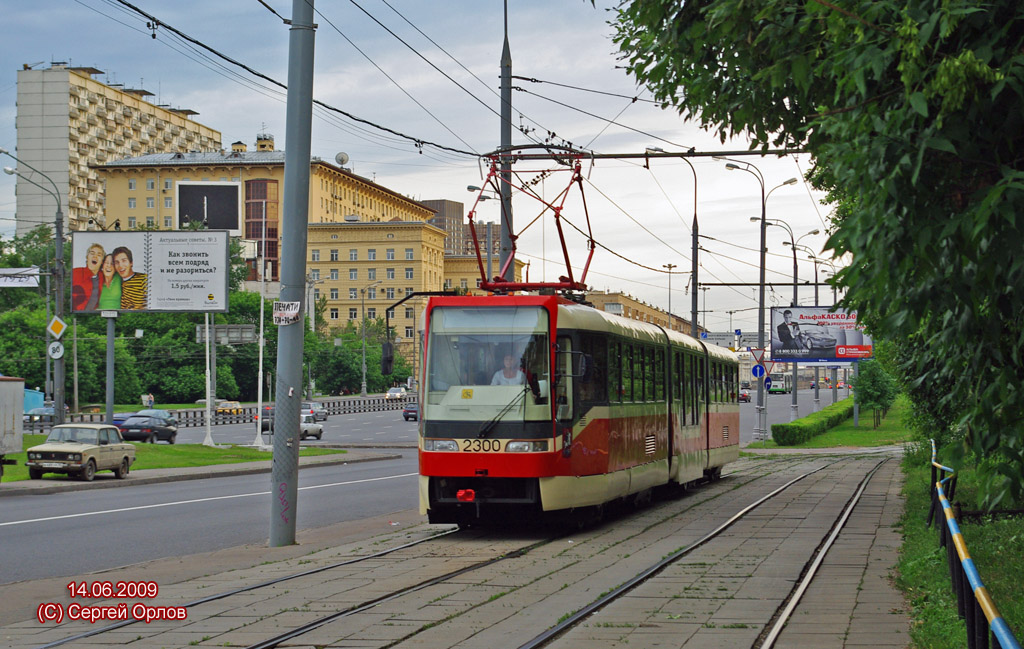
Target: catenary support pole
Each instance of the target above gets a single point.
(506, 161)
(111, 316)
(295, 218)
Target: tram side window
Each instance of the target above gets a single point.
(679, 384)
(659, 374)
(627, 372)
(614, 375)
(637, 358)
(592, 382)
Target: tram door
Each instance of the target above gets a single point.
(563, 388)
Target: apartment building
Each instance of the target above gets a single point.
(241, 191)
(68, 121)
(628, 306)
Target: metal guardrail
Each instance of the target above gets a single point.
(197, 417)
(974, 605)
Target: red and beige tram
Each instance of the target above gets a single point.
(601, 408)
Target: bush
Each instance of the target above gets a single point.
(803, 429)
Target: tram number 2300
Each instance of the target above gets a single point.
(481, 445)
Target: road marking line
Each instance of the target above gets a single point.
(197, 500)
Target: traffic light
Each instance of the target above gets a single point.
(387, 359)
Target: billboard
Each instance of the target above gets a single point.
(149, 271)
(216, 204)
(816, 333)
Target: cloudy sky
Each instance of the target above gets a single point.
(429, 70)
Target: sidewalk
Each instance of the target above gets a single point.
(52, 484)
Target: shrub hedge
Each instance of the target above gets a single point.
(816, 423)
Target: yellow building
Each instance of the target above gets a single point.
(148, 191)
(67, 122)
(463, 272)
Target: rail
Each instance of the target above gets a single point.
(197, 417)
(974, 604)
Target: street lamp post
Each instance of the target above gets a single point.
(756, 173)
(794, 413)
(817, 370)
(694, 235)
(669, 267)
(362, 292)
(258, 442)
(58, 311)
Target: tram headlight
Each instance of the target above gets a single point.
(440, 445)
(535, 446)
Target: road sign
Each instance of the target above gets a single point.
(720, 338)
(757, 371)
(704, 335)
(55, 350)
(57, 327)
(768, 383)
(738, 332)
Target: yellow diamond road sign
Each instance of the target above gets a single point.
(57, 327)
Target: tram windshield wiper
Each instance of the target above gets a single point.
(489, 426)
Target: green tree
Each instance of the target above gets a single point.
(912, 110)
(875, 388)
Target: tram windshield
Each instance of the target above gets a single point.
(504, 347)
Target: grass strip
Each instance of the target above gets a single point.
(168, 456)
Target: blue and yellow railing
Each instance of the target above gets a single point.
(974, 604)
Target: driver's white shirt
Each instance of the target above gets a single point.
(500, 379)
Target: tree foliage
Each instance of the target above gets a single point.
(876, 389)
(913, 111)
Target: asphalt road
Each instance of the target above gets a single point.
(77, 532)
(385, 427)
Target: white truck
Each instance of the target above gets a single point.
(12, 397)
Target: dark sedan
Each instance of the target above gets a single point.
(148, 429)
(411, 411)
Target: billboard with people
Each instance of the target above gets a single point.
(817, 333)
(149, 271)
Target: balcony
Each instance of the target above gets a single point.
(91, 119)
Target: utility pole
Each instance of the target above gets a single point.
(506, 160)
(284, 486)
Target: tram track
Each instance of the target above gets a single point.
(744, 473)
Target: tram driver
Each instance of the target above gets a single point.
(510, 373)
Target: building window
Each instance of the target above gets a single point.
(131, 222)
(390, 293)
(408, 253)
(150, 202)
(316, 294)
(353, 314)
(408, 291)
(408, 332)
(447, 284)
(371, 293)
(478, 282)
(353, 294)
(371, 273)
(408, 273)
(371, 254)
(390, 253)
(150, 183)
(314, 255)
(315, 273)
(168, 183)
(371, 313)
(150, 221)
(409, 313)
(168, 202)
(334, 274)
(131, 184)
(353, 255)
(463, 283)
(334, 294)
(390, 273)
(353, 274)
(334, 255)
(334, 314)
(391, 314)
(131, 203)
(167, 222)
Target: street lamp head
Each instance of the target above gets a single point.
(654, 149)
(730, 166)
(791, 181)
(472, 188)
(755, 219)
(815, 231)
(10, 171)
